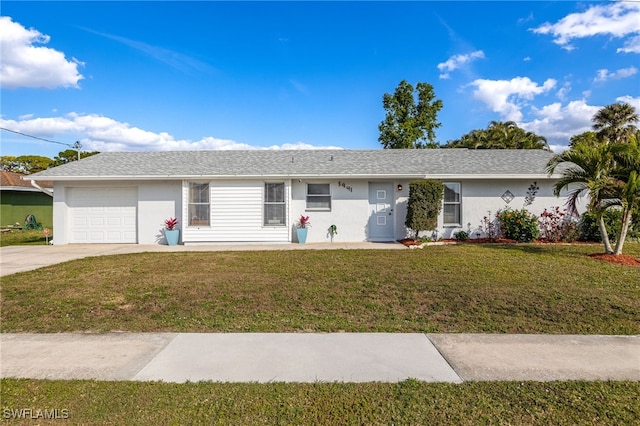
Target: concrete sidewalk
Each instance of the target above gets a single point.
(311, 357)
(27, 258)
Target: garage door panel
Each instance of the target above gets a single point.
(103, 215)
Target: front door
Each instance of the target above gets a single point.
(381, 218)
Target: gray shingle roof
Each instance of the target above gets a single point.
(410, 163)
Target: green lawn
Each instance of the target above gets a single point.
(459, 288)
(406, 403)
(16, 237)
(462, 288)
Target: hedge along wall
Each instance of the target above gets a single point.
(16, 205)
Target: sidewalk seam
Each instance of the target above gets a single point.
(444, 356)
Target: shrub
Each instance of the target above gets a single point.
(489, 227)
(424, 205)
(519, 225)
(556, 226)
(590, 231)
(461, 235)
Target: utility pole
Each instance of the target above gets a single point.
(77, 146)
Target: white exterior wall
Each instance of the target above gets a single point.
(157, 201)
(237, 209)
(349, 210)
(61, 229)
(483, 198)
(236, 214)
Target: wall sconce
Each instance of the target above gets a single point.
(399, 187)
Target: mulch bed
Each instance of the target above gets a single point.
(621, 259)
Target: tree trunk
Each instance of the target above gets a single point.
(604, 234)
(626, 221)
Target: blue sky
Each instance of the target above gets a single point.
(154, 75)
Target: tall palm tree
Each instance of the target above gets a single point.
(587, 169)
(615, 122)
(627, 175)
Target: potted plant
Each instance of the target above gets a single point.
(171, 233)
(301, 228)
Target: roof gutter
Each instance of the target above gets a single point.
(41, 189)
(301, 176)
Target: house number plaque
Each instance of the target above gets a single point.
(345, 186)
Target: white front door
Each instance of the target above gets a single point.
(381, 217)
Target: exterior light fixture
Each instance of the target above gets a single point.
(399, 187)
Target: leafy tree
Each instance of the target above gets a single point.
(8, 163)
(615, 122)
(500, 135)
(26, 164)
(407, 124)
(587, 138)
(69, 155)
(424, 205)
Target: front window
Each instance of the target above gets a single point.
(452, 203)
(318, 196)
(199, 205)
(274, 204)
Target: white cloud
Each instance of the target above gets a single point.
(559, 123)
(564, 91)
(619, 19)
(507, 97)
(104, 134)
(604, 74)
(634, 102)
(630, 46)
(25, 64)
(457, 61)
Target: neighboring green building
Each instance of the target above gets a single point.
(19, 199)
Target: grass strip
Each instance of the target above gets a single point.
(407, 402)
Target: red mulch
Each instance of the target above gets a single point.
(621, 259)
(409, 242)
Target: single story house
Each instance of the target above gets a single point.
(258, 195)
(19, 198)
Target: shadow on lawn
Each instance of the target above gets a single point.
(522, 247)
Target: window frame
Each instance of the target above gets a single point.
(282, 203)
(191, 203)
(327, 195)
(458, 203)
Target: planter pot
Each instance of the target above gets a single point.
(172, 236)
(302, 235)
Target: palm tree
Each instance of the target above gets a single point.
(615, 122)
(587, 169)
(500, 135)
(627, 175)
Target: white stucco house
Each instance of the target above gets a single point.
(258, 195)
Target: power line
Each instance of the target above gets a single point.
(77, 146)
(36, 137)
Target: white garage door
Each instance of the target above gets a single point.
(103, 215)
